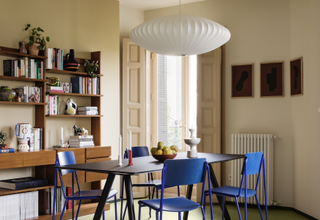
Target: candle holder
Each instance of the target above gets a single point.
(192, 142)
(130, 158)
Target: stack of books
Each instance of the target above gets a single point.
(81, 141)
(54, 89)
(88, 110)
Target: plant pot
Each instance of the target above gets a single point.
(6, 94)
(33, 50)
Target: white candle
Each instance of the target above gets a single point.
(120, 146)
(61, 135)
(130, 143)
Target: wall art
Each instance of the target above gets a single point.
(271, 79)
(242, 80)
(296, 77)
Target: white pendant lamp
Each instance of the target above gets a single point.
(180, 35)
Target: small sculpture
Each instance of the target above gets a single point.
(71, 107)
(84, 131)
(77, 131)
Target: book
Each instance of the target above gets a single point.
(92, 112)
(69, 192)
(84, 140)
(81, 137)
(9, 150)
(81, 145)
(23, 183)
(40, 137)
(8, 67)
(76, 84)
(49, 59)
(87, 108)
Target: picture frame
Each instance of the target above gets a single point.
(296, 77)
(271, 79)
(242, 80)
(66, 87)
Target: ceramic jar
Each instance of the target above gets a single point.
(71, 63)
(6, 94)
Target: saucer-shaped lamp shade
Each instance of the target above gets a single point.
(180, 35)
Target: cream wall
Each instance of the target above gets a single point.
(260, 32)
(80, 25)
(305, 116)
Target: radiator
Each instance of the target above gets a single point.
(245, 143)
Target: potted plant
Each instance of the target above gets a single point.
(36, 41)
(3, 138)
(91, 68)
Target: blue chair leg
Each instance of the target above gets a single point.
(115, 207)
(78, 209)
(179, 215)
(203, 213)
(223, 204)
(139, 214)
(64, 209)
(103, 217)
(259, 206)
(237, 208)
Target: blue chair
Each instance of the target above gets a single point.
(68, 158)
(252, 164)
(141, 151)
(179, 172)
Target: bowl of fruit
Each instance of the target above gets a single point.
(162, 153)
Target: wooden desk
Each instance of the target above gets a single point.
(148, 164)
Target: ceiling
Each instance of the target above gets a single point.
(153, 4)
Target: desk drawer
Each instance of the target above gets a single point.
(92, 176)
(96, 152)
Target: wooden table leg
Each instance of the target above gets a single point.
(127, 181)
(216, 184)
(104, 197)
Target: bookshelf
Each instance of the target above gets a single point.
(44, 159)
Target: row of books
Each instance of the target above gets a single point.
(88, 110)
(81, 141)
(60, 200)
(19, 206)
(27, 94)
(24, 67)
(53, 105)
(55, 58)
(36, 139)
(85, 85)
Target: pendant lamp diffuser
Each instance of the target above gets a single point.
(180, 35)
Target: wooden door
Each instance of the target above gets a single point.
(134, 102)
(209, 106)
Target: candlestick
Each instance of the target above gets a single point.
(130, 149)
(120, 152)
(130, 143)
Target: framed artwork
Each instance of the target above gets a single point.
(66, 87)
(296, 80)
(242, 80)
(271, 79)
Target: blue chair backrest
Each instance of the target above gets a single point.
(66, 158)
(184, 171)
(140, 151)
(254, 162)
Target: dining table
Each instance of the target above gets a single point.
(144, 165)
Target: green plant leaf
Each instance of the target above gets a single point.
(48, 39)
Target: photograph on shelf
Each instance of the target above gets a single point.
(242, 80)
(65, 86)
(296, 79)
(271, 79)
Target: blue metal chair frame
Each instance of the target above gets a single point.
(252, 164)
(68, 158)
(141, 151)
(191, 171)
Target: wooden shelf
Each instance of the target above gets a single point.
(72, 94)
(74, 116)
(21, 103)
(10, 191)
(67, 72)
(11, 78)
(86, 209)
(16, 53)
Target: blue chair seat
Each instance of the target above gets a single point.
(176, 204)
(232, 191)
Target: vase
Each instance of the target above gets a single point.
(23, 47)
(70, 62)
(33, 50)
(6, 94)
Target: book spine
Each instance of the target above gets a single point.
(9, 150)
(31, 184)
(87, 108)
(26, 64)
(91, 112)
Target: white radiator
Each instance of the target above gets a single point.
(245, 143)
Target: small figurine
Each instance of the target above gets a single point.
(77, 131)
(84, 131)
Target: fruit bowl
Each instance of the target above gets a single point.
(162, 158)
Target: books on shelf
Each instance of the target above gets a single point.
(9, 150)
(85, 85)
(81, 141)
(23, 183)
(93, 112)
(53, 105)
(78, 137)
(23, 67)
(88, 110)
(55, 58)
(54, 89)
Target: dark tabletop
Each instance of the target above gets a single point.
(143, 164)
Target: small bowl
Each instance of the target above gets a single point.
(162, 158)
